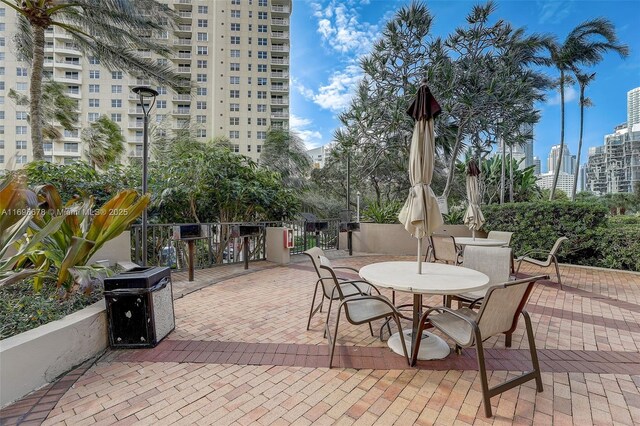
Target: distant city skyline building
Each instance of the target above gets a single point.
(537, 164)
(615, 166)
(319, 155)
(236, 53)
(568, 161)
(565, 181)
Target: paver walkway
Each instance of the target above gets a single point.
(240, 354)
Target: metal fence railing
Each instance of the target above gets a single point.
(221, 246)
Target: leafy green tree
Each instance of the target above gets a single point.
(284, 152)
(584, 45)
(112, 31)
(56, 107)
(104, 142)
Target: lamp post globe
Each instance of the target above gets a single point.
(146, 94)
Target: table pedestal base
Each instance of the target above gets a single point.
(431, 346)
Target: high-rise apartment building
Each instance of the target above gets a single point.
(565, 181)
(633, 107)
(615, 166)
(236, 53)
(568, 161)
(537, 164)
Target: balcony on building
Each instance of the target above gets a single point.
(280, 22)
(184, 70)
(279, 87)
(279, 101)
(182, 4)
(279, 8)
(68, 49)
(182, 98)
(70, 64)
(136, 125)
(138, 82)
(284, 35)
(280, 114)
(280, 48)
(184, 28)
(182, 111)
(136, 111)
(182, 41)
(280, 61)
(280, 74)
(183, 14)
(184, 54)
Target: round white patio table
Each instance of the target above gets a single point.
(436, 278)
(485, 242)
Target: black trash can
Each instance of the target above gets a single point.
(139, 307)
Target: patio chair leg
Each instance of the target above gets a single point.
(518, 268)
(486, 397)
(313, 301)
(328, 313)
(507, 340)
(386, 322)
(555, 260)
(404, 345)
(371, 329)
(533, 351)
(332, 341)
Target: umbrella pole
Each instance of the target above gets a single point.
(473, 233)
(419, 255)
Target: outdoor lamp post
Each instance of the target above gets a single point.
(358, 206)
(145, 93)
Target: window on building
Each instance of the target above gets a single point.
(1, 70)
(93, 60)
(261, 135)
(117, 117)
(235, 148)
(70, 147)
(94, 103)
(203, 37)
(73, 75)
(262, 108)
(21, 72)
(201, 105)
(235, 1)
(116, 103)
(201, 63)
(234, 94)
(201, 78)
(161, 104)
(234, 79)
(262, 81)
(201, 133)
(258, 148)
(201, 119)
(21, 130)
(262, 41)
(263, 15)
(21, 86)
(21, 159)
(203, 23)
(203, 9)
(234, 107)
(235, 40)
(235, 13)
(94, 88)
(262, 3)
(1, 159)
(234, 134)
(162, 61)
(235, 53)
(202, 50)
(235, 26)
(263, 28)
(201, 91)
(262, 94)
(234, 66)
(262, 54)
(116, 88)
(95, 74)
(93, 116)
(21, 144)
(262, 67)
(234, 121)
(161, 90)
(261, 121)
(116, 75)
(249, 53)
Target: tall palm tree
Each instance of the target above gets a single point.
(284, 152)
(112, 31)
(104, 142)
(584, 45)
(583, 81)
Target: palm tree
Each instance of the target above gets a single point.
(284, 152)
(56, 107)
(112, 31)
(585, 45)
(583, 81)
(104, 142)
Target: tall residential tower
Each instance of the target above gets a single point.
(236, 53)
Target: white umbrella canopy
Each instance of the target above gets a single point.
(473, 217)
(420, 214)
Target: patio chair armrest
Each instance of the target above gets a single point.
(453, 312)
(530, 252)
(346, 267)
(369, 297)
(472, 304)
(353, 283)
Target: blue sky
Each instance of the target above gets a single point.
(328, 37)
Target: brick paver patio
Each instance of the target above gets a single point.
(240, 354)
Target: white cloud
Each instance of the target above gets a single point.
(336, 94)
(570, 95)
(553, 12)
(311, 138)
(340, 28)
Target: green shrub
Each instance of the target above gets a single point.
(618, 248)
(538, 225)
(621, 220)
(382, 212)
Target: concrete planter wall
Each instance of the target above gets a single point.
(36, 357)
(393, 239)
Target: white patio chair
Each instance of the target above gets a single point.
(551, 258)
(358, 308)
(503, 236)
(499, 313)
(444, 249)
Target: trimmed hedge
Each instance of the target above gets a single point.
(594, 239)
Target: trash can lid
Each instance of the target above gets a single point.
(138, 277)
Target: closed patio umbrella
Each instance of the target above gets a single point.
(420, 214)
(473, 217)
